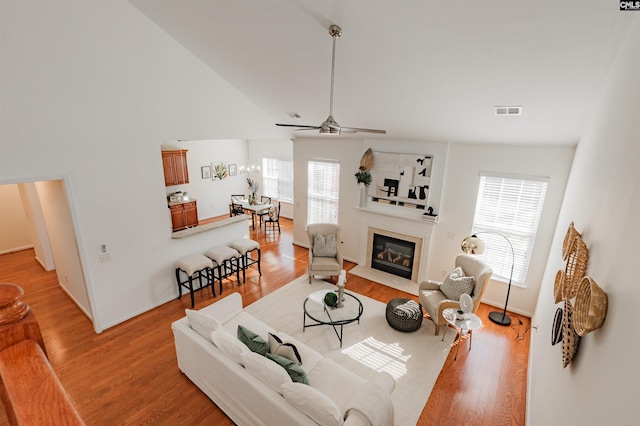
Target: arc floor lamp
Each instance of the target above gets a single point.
(474, 245)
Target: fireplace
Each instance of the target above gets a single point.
(392, 255)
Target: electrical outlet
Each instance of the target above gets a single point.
(105, 257)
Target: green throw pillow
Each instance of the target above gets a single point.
(296, 372)
(253, 341)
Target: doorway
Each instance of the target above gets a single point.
(45, 223)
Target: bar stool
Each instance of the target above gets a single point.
(245, 246)
(226, 258)
(194, 266)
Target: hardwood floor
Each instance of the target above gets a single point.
(128, 374)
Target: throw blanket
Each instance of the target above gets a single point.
(408, 309)
(372, 402)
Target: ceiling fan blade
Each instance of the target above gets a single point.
(358, 129)
(330, 126)
(300, 126)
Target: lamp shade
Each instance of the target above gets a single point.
(472, 245)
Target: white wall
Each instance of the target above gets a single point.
(89, 91)
(462, 178)
(37, 226)
(59, 223)
(454, 190)
(14, 226)
(603, 199)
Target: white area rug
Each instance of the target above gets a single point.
(413, 359)
(385, 278)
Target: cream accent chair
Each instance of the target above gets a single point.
(330, 266)
(435, 302)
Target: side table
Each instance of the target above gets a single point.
(469, 323)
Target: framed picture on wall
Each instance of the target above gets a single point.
(233, 169)
(206, 172)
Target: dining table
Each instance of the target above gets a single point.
(255, 209)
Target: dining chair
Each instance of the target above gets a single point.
(262, 214)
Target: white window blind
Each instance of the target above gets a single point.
(323, 191)
(510, 206)
(277, 179)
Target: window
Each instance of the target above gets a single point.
(510, 206)
(323, 191)
(277, 179)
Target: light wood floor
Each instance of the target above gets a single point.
(128, 374)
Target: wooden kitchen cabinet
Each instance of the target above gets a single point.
(174, 164)
(184, 215)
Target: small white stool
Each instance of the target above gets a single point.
(226, 258)
(245, 246)
(194, 266)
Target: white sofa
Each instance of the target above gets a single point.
(334, 395)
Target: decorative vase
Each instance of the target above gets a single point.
(363, 195)
(253, 200)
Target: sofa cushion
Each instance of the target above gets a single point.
(229, 345)
(285, 349)
(253, 341)
(324, 246)
(265, 370)
(248, 321)
(313, 403)
(335, 381)
(373, 403)
(202, 324)
(456, 284)
(292, 368)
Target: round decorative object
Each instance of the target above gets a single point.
(556, 331)
(576, 267)
(568, 239)
(591, 307)
(466, 303)
(404, 314)
(12, 308)
(331, 299)
(570, 339)
(558, 286)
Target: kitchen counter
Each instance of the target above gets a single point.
(209, 226)
(177, 203)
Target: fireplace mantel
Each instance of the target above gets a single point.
(412, 217)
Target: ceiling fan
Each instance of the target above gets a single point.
(330, 126)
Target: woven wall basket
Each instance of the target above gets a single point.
(568, 239)
(570, 339)
(576, 267)
(591, 307)
(558, 286)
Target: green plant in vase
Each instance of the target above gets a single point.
(363, 176)
(253, 188)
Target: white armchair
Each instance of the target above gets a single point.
(325, 261)
(435, 302)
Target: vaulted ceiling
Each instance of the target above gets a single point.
(421, 69)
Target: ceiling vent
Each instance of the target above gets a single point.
(508, 110)
(294, 115)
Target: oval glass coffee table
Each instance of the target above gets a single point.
(320, 314)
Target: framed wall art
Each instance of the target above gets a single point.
(205, 171)
(401, 179)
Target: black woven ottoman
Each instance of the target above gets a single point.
(404, 314)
